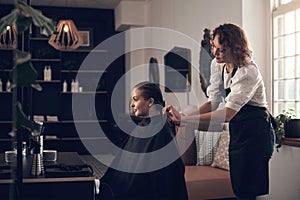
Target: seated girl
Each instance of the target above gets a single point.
(142, 169)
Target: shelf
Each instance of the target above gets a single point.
(76, 121)
(6, 140)
(5, 70)
(4, 92)
(84, 50)
(85, 138)
(45, 60)
(86, 92)
(84, 121)
(83, 71)
(50, 137)
(52, 81)
(39, 38)
(6, 122)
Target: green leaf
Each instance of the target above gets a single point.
(23, 23)
(24, 15)
(36, 128)
(25, 75)
(48, 27)
(22, 57)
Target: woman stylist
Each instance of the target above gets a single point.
(235, 76)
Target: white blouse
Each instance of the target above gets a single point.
(247, 86)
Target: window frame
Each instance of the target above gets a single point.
(281, 9)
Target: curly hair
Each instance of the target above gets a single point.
(234, 39)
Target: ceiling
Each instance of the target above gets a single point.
(104, 4)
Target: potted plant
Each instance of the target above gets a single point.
(281, 121)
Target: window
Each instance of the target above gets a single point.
(286, 55)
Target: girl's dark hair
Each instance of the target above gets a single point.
(234, 39)
(151, 90)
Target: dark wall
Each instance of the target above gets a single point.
(101, 21)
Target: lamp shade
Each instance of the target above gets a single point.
(67, 37)
(8, 38)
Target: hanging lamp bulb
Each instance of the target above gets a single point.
(8, 38)
(67, 37)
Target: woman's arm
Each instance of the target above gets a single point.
(206, 107)
(217, 116)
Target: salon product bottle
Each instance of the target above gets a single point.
(49, 74)
(1, 85)
(65, 86)
(76, 86)
(8, 89)
(73, 86)
(45, 73)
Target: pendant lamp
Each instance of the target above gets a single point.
(67, 37)
(8, 38)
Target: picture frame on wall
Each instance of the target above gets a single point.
(87, 37)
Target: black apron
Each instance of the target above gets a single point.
(251, 147)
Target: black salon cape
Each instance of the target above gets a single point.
(167, 183)
(251, 147)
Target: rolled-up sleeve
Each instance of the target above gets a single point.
(213, 90)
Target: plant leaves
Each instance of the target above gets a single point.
(23, 23)
(22, 57)
(47, 25)
(23, 16)
(36, 128)
(25, 75)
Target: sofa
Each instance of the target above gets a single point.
(203, 182)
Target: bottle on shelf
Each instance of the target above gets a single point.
(1, 85)
(8, 89)
(73, 86)
(45, 73)
(65, 86)
(76, 86)
(49, 73)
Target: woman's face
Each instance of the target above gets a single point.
(219, 52)
(140, 106)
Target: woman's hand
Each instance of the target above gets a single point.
(174, 115)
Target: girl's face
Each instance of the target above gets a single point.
(219, 52)
(140, 106)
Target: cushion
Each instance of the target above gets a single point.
(206, 145)
(221, 159)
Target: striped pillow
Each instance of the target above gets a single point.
(206, 144)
